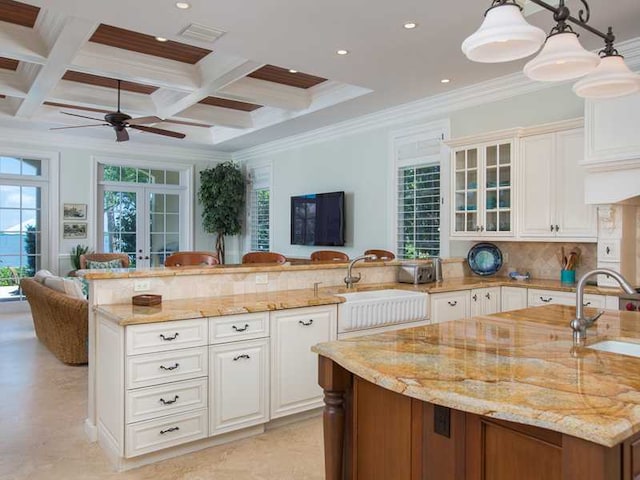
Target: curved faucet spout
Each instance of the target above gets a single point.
(350, 280)
(580, 324)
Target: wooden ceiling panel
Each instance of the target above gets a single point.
(9, 64)
(232, 104)
(98, 110)
(274, 74)
(18, 13)
(147, 44)
(107, 82)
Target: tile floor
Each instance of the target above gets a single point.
(43, 406)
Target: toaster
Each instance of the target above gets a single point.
(416, 273)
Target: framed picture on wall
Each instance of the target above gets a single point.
(75, 211)
(74, 230)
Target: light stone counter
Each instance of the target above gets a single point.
(518, 366)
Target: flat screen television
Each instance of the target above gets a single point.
(318, 219)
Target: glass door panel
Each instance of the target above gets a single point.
(120, 223)
(466, 193)
(164, 226)
(498, 185)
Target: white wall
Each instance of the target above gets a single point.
(359, 164)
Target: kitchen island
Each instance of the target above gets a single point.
(504, 396)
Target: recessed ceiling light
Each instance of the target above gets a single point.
(291, 70)
(410, 25)
(161, 39)
(342, 52)
(183, 5)
(445, 80)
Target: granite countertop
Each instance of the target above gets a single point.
(183, 309)
(517, 366)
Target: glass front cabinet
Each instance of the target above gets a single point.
(483, 190)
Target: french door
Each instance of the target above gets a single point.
(147, 222)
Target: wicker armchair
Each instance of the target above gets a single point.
(61, 322)
(103, 257)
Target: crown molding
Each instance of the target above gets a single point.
(56, 141)
(430, 107)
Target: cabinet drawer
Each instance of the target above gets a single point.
(609, 251)
(549, 297)
(172, 398)
(163, 336)
(157, 368)
(146, 437)
(450, 306)
(238, 327)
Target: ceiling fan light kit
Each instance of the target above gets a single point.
(505, 36)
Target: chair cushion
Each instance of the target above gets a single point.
(91, 264)
(41, 275)
(69, 286)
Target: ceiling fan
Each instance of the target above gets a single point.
(121, 121)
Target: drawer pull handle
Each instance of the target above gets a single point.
(586, 304)
(169, 430)
(168, 339)
(546, 300)
(162, 367)
(453, 304)
(244, 355)
(241, 329)
(306, 324)
(169, 402)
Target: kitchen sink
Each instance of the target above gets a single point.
(615, 346)
(378, 308)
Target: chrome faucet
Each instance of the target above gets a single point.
(580, 324)
(350, 279)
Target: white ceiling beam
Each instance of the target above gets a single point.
(136, 67)
(270, 94)
(12, 84)
(73, 34)
(216, 116)
(21, 43)
(216, 70)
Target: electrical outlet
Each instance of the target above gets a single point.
(262, 278)
(141, 285)
(506, 257)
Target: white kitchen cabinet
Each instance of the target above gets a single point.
(483, 190)
(485, 301)
(537, 297)
(238, 385)
(450, 306)
(552, 204)
(294, 374)
(513, 298)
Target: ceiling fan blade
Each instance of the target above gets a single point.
(83, 116)
(82, 126)
(121, 135)
(159, 131)
(144, 120)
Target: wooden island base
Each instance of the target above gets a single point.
(375, 434)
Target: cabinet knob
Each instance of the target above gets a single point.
(608, 250)
(475, 298)
(488, 295)
(557, 228)
(481, 228)
(306, 324)
(552, 228)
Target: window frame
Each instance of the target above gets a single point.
(264, 171)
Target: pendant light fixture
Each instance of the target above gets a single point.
(505, 35)
(611, 79)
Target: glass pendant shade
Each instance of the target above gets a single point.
(562, 58)
(503, 36)
(611, 79)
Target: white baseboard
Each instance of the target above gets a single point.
(90, 430)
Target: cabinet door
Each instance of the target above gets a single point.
(573, 217)
(490, 300)
(294, 379)
(513, 298)
(537, 194)
(476, 302)
(450, 306)
(466, 192)
(498, 190)
(238, 385)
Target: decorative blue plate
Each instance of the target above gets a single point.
(484, 259)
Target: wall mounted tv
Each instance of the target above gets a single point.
(318, 219)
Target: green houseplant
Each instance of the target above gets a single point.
(221, 194)
(75, 254)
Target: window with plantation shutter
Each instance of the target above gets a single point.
(419, 194)
(259, 211)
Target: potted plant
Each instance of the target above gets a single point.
(75, 255)
(221, 194)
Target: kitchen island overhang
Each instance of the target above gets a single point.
(516, 372)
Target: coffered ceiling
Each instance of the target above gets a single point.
(236, 89)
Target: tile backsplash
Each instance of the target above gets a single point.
(540, 260)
